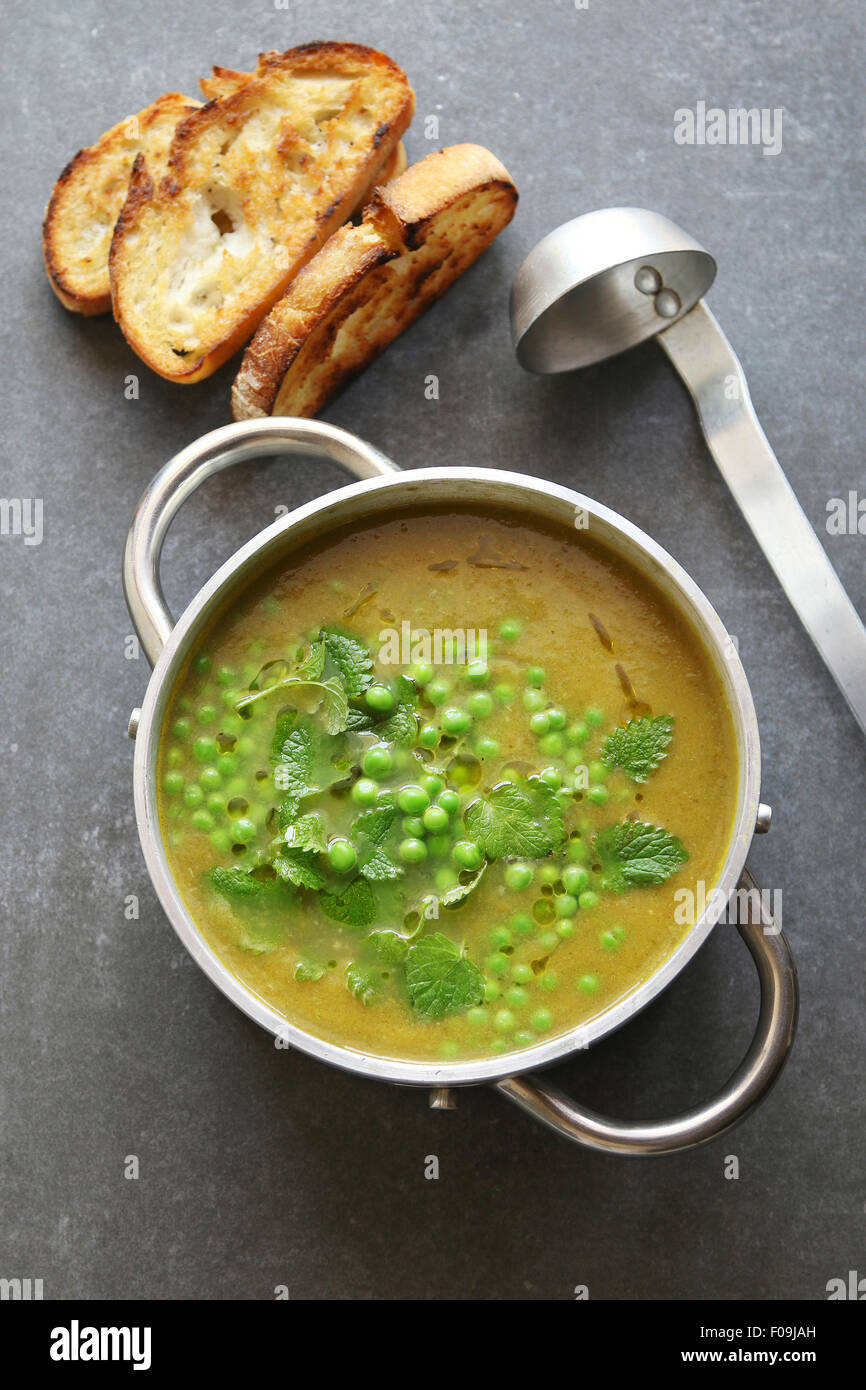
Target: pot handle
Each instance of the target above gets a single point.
(748, 1086)
(192, 466)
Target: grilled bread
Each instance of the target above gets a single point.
(256, 181)
(84, 206)
(371, 281)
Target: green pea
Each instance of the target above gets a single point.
(552, 777)
(535, 675)
(523, 1038)
(499, 937)
(551, 745)
(516, 997)
(193, 795)
(510, 630)
(172, 783)
(379, 697)
(226, 676)
(221, 841)
(438, 845)
(206, 714)
(492, 990)
(522, 924)
(244, 747)
(496, 964)
(541, 1020)
(619, 933)
(577, 851)
(556, 717)
(244, 829)
(449, 800)
(499, 1045)
(227, 764)
(455, 721)
(437, 691)
(476, 1016)
(228, 699)
(486, 748)
(577, 733)
(365, 791)
(594, 716)
(539, 723)
(432, 784)
(587, 899)
(533, 700)
(444, 879)
(503, 1020)
(413, 826)
(412, 799)
(549, 980)
(609, 940)
(174, 757)
(477, 672)
(503, 692)
(216, 804)
(428, 736)
(377, 761)
(598, 771)
(448, 1048)
(522, 974)
(566, 905)
(342, 855)
(518, 876)
(549, 873)
(202, 664)
(575, 879)
(435, 818)
(421, 672)
(467, 854)
(565, 928)
(412, 850)
(479, 704)
(588, 984)
(181, 728)
(548, 940)
(597, 795)
(205, 749)
(202, 819)
(209, 778)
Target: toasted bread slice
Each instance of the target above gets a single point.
(80, 217)
(369, 282)
(257, 180)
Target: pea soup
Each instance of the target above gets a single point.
(430, 788)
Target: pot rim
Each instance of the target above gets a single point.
(679, 588)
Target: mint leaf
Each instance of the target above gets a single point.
(376, 823)
(351, 658)
(639, 746)
(453, 897)
(236, 883)
(293, 773)
(283, 728)
(379, 868)
(308, 970)
(313, 665)
(517, 819)
(354, 907)
(390, 946)
(359, 721)
(441, 981)
(371, 829)
(328, 696)
(364, 983)
(634, 853)
(401, 727)
(307, 832)
(299, 867)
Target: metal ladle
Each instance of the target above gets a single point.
(610, 279)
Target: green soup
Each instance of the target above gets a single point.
(434, 788)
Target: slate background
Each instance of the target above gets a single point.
(260, 1168)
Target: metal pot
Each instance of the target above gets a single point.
(385, 489)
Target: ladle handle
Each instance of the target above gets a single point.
(748, 1086)
(189, 469)
(708, 365)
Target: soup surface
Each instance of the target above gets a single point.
(436, 787)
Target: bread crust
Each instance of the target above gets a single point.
(285, 203)
(88, 196)
(369, 282)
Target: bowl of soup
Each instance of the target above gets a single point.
(444, 776)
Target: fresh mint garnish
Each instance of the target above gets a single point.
(236, 883)
(354, 907)
(639, 746)
(327, 697)
(309, 970)
(293, 772)
(313, 665)
(307, 832)
(401, 727)
(517, 819)
(351, 658)
(300, 868)
(389, 946)
(453, 897)
(364, 983)
(634, 853)
(370, 830)
(440, 980)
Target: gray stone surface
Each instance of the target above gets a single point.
(260, 1168)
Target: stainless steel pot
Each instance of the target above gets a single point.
(385, 489)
